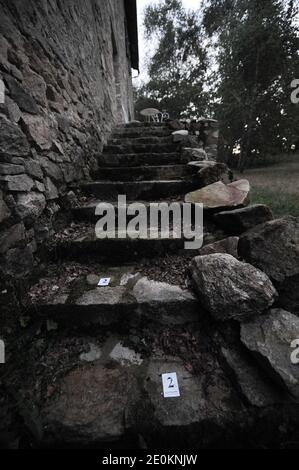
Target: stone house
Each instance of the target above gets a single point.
(65, 80)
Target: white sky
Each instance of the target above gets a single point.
(141, 4)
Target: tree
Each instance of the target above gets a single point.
(258, 56)
(178, 66)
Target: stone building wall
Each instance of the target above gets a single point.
(65, 79)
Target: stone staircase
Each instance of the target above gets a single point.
(107, 389)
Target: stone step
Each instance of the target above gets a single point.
(150, 140)
(140, 159)
(86, 212)
(135, 132)
(147, 190)
(112, 396)
(88, 247)
(165, 172)
(129, 297)
(140, 148)
(133, 124)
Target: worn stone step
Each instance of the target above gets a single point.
(135, 132)
(87, 212)
(147, 190)
(129, 297)
(133, 124)
(112, 396)
(150, 140)
(123, 249)
(140, 173)
(140, 148)
(140, 159)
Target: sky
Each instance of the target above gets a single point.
(141, 4)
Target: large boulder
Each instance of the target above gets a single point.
(219, 196)
(240, 220)
(209, 174)
(273, 247)
(229, 289)
(270, 338)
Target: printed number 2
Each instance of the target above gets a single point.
(170, 385)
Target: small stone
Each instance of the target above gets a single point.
(228, 245)
(93, 355)
(51, 169)
(4, 210)
(241, 220)
(10, 237)
(179, 136)
(33, 169)
(9, 169)
(19, 183)
(38, 130)
(193, 155)
(20, 96)
(30, 206)
(51, 190)
(230, 289)
(19, 262)
(13, 110)
(13, 141)
(125, 356)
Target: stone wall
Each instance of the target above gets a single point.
(65, 79)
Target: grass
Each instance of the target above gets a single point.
(277, 186)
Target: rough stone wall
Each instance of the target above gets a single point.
(65, 79)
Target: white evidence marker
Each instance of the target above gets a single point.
(105, 281)
(170, 385)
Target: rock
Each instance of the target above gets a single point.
(208, 175)
(219, 196)
(193, 154)
(125, 356)
(38, 130)
(19, 262)
(240, 220)
(176, 124)
(273, 247)
(2, 92)
(146, 290)
(51, 190)
(93, 355)
(13, 111)
(12, 140)
(9, 169)
(33, 169)
(19, 183)
(20, 96)
(10, 237)
(229, 289)
(251, 381)
(30, 206)
(4, 210)
(228, 246)
(51, 169)
(179, 136)
(269, 338)
(90, 407)
(35, 85)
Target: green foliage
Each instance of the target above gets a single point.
(177, 68)
(258, 58)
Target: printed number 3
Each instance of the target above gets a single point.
(171, 385)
